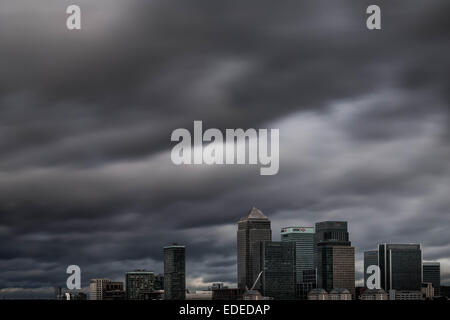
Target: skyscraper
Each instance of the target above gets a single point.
(139, 284)
(330, 231)
(174, 272)
(252, 228)
(334, 256)
(432, 274)
(277, 262)
(400, 266)
(336, 267)
(303, 237)
(370, 259)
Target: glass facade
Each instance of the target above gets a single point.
(432, 274)
(251, 229)
(334, 257)
(303, 237)
(400, 266)
(277, 261)
(330, 231)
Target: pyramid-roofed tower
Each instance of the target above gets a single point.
(252, 228)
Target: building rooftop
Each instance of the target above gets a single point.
(140, 271)
(431, 263)
(255, 214)
(339, 291)
(175, 245)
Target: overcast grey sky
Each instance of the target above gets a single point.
(86, 118)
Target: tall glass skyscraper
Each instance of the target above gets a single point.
(277, 262)
(303, 237)
(334, 256)
(400, 266)
(335, 231)
(252, 228)
(174, 272)
(432, 274)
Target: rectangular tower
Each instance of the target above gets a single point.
(276, 260)
(335, 231)
(336, 267)
(432, 274)
(303, 237)
(252, 228)
(400, 266)
(174, 272)
(334, 256)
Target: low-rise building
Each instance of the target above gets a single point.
(427, 290)
(405, 295)
(317, 294)
(340, 294)
(374, 294)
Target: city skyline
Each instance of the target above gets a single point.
(86, 118)
(332, 234)
(258, 214)
(271, 268)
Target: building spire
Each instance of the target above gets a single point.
(255, 213)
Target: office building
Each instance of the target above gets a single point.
(114, 291)
(276, 260)
(97, 287)
(370, 259)
(252, 228)
(400, 266)
(174, 272)
(303, 237)
(330, 231)
(432, 274)
(336, 267)
(334, 256)
(139, 284)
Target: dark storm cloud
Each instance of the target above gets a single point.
(85, 121)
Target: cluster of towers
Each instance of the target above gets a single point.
(307, 263)
(322, 259)
(305, 257)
